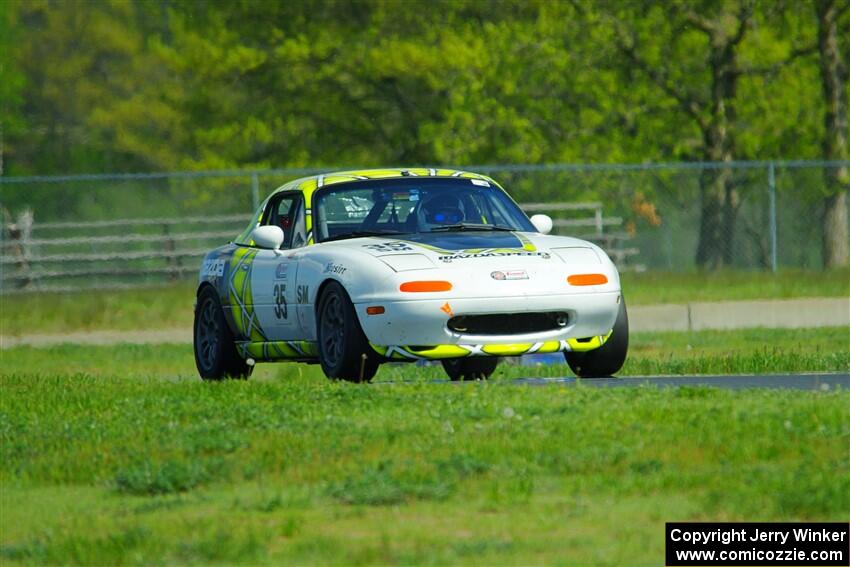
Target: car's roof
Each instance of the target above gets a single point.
(308, 185)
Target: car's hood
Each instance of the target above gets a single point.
(457, 249)
(477, 264)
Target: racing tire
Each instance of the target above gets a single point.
(215, 349)
(473, 368)
(607, 359)
(344, 351)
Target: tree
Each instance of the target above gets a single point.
(739, 85)
(79, 58)
(690, 53)
(298, 84)
(11, 80)
(833, 71)
(162, 85)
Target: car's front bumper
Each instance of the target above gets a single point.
(424, 322)
(440, 352)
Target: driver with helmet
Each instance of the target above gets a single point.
(440, 210)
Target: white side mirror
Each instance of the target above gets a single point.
(269, 236)
(543, 223)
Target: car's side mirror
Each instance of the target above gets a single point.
(269, 236)
(543, 223)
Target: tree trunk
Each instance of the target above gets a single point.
(717, 218)
(719, 198)
(835, 235)
(833, 78)
(730, 218)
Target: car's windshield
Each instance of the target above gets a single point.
(414, 205)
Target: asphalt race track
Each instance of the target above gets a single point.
(823, 382)
(815, 381)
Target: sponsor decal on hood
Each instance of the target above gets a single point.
(450, 247)
(465, 255)
(454, 241)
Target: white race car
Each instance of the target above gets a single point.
(357, 268)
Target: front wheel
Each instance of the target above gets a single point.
(215, 349)
(478, 368)
(344, 351)
(610, 357)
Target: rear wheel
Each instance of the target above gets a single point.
(215, 349)
(344, 351)
(607, 359)
(477, 368)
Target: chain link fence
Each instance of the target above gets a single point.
(88, 231)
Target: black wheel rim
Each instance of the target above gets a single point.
(333, 330)
(207, 335)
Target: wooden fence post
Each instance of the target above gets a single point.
(20, 234)
(171, 261)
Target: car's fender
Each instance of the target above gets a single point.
(359, 273)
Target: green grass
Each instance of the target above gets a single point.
(145, 308)
(119, 468)
(730, 285)
(170, 307)
(121, 455)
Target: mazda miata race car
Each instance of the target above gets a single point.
(353, 269)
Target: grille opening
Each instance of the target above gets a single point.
(509, 323)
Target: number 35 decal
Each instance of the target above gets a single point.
(280, 310)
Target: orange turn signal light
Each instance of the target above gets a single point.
(587, 279)
(426, 286)
(375, 310)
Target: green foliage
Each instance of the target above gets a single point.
(78, 58)
(12, 80)
(141, 86)
(115, 85)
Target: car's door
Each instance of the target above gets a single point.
(273, 273)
